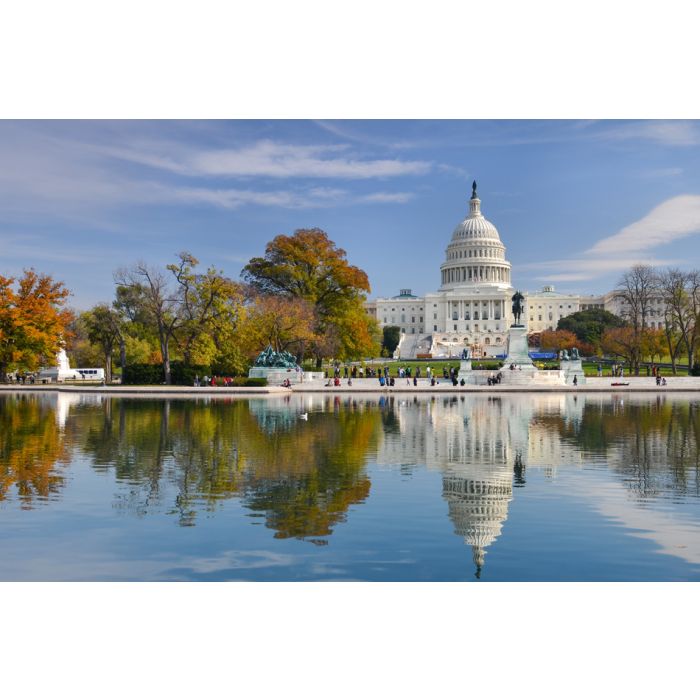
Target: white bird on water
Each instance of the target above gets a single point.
(304, 416)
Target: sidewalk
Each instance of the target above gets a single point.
(593, 384)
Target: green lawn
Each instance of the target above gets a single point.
(590, 368)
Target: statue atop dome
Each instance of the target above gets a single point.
(474, 190)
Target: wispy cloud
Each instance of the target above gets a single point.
(387, 197)
(587, 267)
(270, 159)
(652, 173)
(669, 133)
(77, 183)
(674, 219)
(671, 220)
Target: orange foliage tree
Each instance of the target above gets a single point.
(558, 340)
(309, 266)
(282, 322)
(33, 320)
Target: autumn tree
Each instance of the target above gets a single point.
(284, 323)
(211, 306)
(558, 340)
(150, 293)
(653, 344)
(636, 292)
(309, 266)
(624, 343)
(680, 295)
(671, 287)
(33, 320)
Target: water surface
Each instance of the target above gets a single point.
(536, 487)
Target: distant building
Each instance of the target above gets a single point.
(472, 307)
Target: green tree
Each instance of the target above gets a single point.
(588, 326)
(390, 340)
(211, 306)
(104, 329)
(309, 266)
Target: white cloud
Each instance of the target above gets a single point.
(313, 198)
(674, 219)
(265, 158)
(586, 268)
(671, 220)
(387, 197)
(660, 172)
(669, 133)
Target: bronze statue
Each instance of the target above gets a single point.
(474, 189)
(518, 307)
(269, 358)
(574, 354)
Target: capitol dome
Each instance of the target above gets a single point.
(475, 225)
(475, 254)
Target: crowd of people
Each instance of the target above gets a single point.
(213, 381)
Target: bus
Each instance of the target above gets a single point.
(93, 374)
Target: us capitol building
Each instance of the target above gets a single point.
(472, 307)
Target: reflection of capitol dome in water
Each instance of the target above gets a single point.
(478, 507)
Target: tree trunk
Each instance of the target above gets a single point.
(122, 354)
(108, 367)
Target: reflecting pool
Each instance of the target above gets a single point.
(529, 487)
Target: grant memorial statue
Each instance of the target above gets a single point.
(517, 307)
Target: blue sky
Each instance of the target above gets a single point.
(575, 202)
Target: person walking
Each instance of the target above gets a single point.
(575, 380)
(600, 370)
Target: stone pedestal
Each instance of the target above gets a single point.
(517, 350)
(525, 372)
(464, 367)
(571, 369)
(276, 375)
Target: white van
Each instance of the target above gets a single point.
(93, 374)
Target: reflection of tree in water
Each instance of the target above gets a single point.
(154, 446)
(189, 455)
(32, 449)
(306, 478)
(654, 445)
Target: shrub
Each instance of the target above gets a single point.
(242, 381)
(487, 365)
(143, 374)
(695, 370)
(180, 374)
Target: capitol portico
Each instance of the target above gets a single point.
(472, 307)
